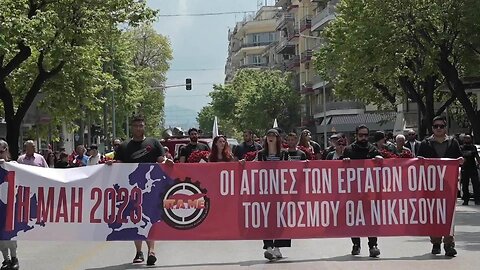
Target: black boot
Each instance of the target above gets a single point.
(450, 250)
(14, 264)
(6, 264)
(436, 249)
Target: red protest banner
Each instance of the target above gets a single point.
(281, 200)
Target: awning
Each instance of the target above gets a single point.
(348, 123)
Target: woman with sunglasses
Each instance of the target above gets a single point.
(8, 248)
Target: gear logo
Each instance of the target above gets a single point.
(185, 205)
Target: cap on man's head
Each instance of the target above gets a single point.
(273, 131)
(334, 137)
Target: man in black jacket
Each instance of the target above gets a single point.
(362, 149)
(440, 145)
(412, 143)
(248, 145)
(469, 170)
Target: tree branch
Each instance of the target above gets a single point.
(385, 92)
(23, 54)
(475, 50)
(446, 104)
(7, 100)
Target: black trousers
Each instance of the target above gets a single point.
(277, 243)
(467, 174)
(372, 241)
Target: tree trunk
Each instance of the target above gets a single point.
(13, 133)
(413, 94)
(457, 88)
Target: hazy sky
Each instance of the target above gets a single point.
(198, 43)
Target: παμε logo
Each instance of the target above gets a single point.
(185, 205)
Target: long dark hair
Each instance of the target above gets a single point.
(278, 144)
(303, 139)
(226, 153)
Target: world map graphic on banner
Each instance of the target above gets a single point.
(150, 179)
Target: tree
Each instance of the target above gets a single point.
(152, 53)
(253, 100)
(38, 38)
(205, 118)
(377, 57)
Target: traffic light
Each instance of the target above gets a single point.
(188, 84)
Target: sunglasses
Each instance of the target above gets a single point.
(438, 126)
(362, 134)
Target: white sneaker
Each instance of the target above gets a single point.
(277, 253)
(269, 255)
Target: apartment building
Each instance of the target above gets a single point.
(285, 36)
(249, 39)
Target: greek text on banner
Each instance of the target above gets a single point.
(228, 201)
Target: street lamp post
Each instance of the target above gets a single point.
(114, 128)
(324, 116)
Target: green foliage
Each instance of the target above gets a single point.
(205, 118)
(252, 101)
(386, 51)
(79, 54)
(43, 41)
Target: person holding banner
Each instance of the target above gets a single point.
(293, 152)
(192, 146)
(220, 150)
(362, 149)
(272, 151)
(141, 149)
(10, 261)
(339, 145)
(440, 145)
(248, 145)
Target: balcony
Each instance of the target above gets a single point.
(284, 20)
(324, 16)
(307, 87)
(254, 65)
(306, 56)
(285, 46)
(305, 23)
(317, 81)
(293, 62)
(256, 44)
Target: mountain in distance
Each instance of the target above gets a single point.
(178, 116)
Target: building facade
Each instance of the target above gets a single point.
(285, 36)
